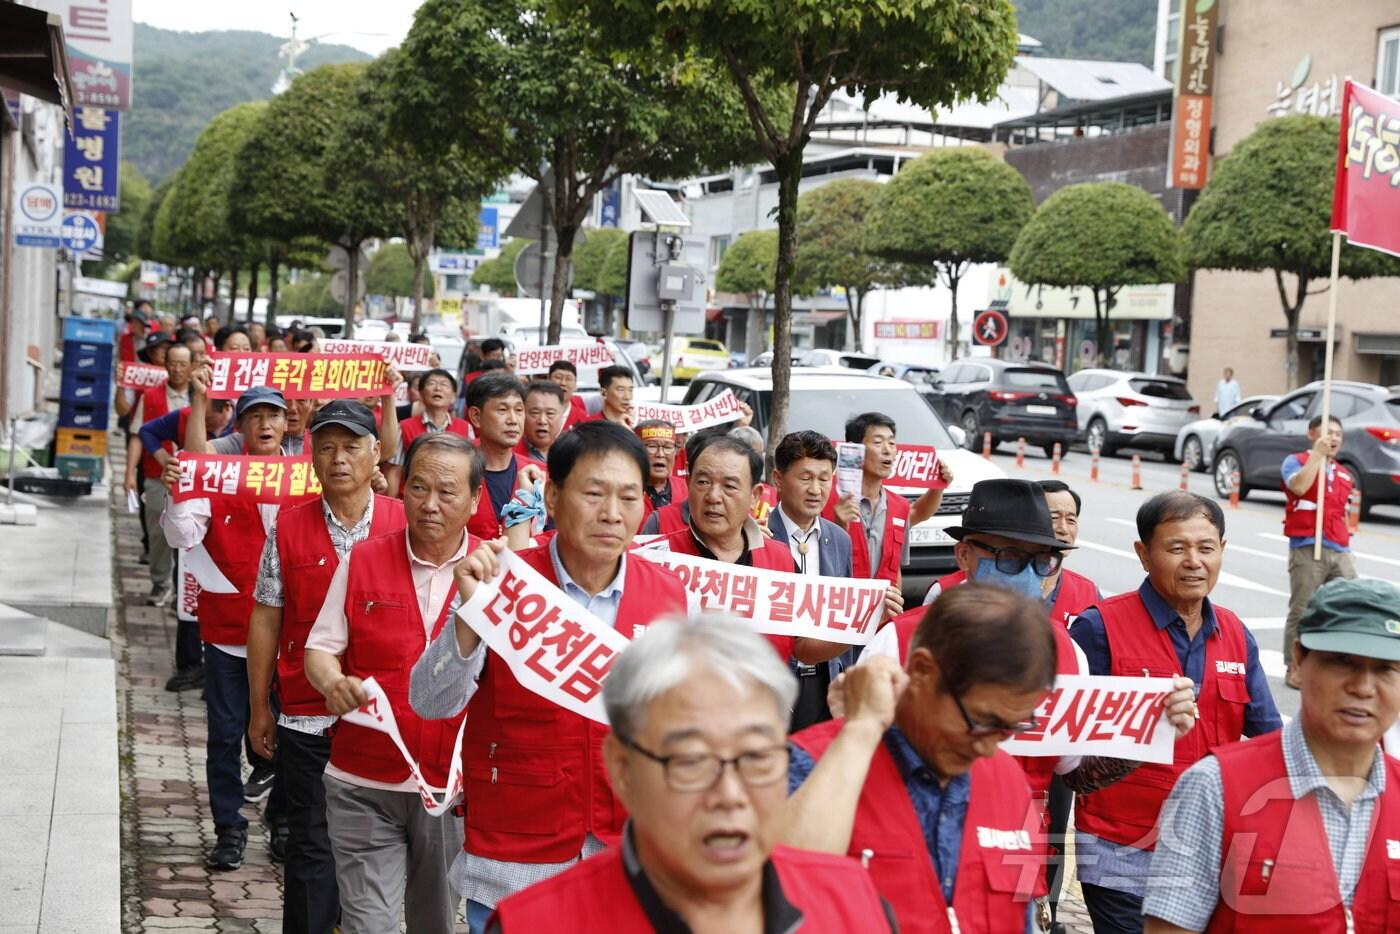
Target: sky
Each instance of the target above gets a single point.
(370, 25)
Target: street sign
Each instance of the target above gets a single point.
(989, 328)
(340, 284)
(338, 258)
(80, 233)
(38, 216)
(1087, 352)
(644, 311)
(529, 220)
(529, 276)
(91, 160)
(487, 222)
(1304, 334)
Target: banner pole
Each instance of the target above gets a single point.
(1327, 389)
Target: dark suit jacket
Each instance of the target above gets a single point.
(834, 548)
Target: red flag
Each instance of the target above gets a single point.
(1366, 196)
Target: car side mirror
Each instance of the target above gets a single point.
(1257, 413)
(958, 435)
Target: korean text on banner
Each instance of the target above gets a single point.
(1092, 715)
(833, 609)
(261, 479)
(554, 647)
(299, 375)
(378, 715)
(916, 465)
(538, 359)
(1366, 195)
(720, 410)
(141, 376)
(402, 356)
(187, 596)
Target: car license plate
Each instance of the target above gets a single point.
(1042, 410)
(921, 536)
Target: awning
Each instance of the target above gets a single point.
(1383, 344)
(33, 59)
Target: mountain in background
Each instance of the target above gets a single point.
(183, 79)
(1106, 30)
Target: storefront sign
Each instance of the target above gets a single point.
(1195, 83)
(91, 157)
(1296, 96)
(98, 36)
(909, 330)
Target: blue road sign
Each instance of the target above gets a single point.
(80, 232)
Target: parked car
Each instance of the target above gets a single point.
(1370, 417)
(1009, 399)
(331, 327)
(638, 352)
(691, 356)
(1118, 409)
(824, 399)
(1195, 443)
(765, 359)
(920, 374)
(821, 356)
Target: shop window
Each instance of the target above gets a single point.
(1388, 63)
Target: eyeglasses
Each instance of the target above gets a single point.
(659, 447)
(1014, 560)
(700, 771)
(975, 728)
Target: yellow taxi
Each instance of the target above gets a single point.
(691, 356)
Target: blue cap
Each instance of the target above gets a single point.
(259, 395)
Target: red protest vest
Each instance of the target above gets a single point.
(1126, 812)
(1300, 512)
(235, 542)
(1276, 870)
(413, 429)
(154, 404)
(126, 351)
(680, 492)
(309, 561)
(386, 638)
(535, 782)
(578, 412)
(1002, 851)
(1077, 594)
(886, 565)
(483, 523)
(833, 893)
(764, 505)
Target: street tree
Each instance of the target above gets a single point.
(928, 51)
(831, 225)
(146, 230)
(124, 226)
(1267, 208)
(393, 272)
(612, 277)
(749, 267)
(590, 258)
(543, 94)
(498, 273)
(1101, 236)
(945, 212)
(282, 186)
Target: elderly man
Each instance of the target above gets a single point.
(1166, 627)
(231, 531)
(545, 407)
(303, 550)
(496, 410)
(538, 797)
(1297, 829)
(437, 391)
(663, 487)
(687, 701)
(389, 597)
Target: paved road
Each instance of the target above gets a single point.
(1254, 580)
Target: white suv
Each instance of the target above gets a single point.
(1138, 410)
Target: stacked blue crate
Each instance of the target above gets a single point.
(85, 391)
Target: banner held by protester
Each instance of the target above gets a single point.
(298, 375)
(1099, 715)
(402, 356)
(720, 410)
(262, 479)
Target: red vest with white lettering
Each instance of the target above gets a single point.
(680, 492)
(483, 523)
(1126, 812)
(1002, 852)
(309, 561)
(235, 542)
(154, 404)
(535, 782)
(1276, 870)
(413, 429)
(887, 563)
(1300, 512)
(833, 893)
(386, 638)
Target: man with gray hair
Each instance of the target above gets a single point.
(698, 756)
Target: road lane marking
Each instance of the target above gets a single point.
(1232, 580)
(1275, 537)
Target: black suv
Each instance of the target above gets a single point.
(1009, 399)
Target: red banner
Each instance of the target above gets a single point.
(1366, 195)
(299, 375)
(140, 376)
(263, 479)
(916, 465)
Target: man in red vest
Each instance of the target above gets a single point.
(545, 409)
(565, 375)
(1166, 627)
(1299, 829)
(230, 532)
(537, 796)
(912, 782)
(388, 599)
(437, 390)
(1301, 474)
(700, 849)
(496, 409)
(615, 382)
(304, 547)
(663, 487)
(132, 339)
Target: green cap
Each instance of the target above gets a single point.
(1354, 617)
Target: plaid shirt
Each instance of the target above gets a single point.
(1183, 887)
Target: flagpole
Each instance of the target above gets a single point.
(1326, 423)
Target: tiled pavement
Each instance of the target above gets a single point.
(166, 824)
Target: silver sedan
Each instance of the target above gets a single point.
(1195, 443)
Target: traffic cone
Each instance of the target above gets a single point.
(1235, 490)
(1137, 473)
(1020, 452)
(1354, 510)
(987, 445)
(1185, 483)
(1055, 459)
(1094, 466)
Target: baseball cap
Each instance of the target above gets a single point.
(1354, 617)
(259, 395)
(350, 415)
(138, 316)
(156, 338)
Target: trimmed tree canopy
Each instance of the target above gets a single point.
(200, 202)
(591, 256)
(750, 263)
(612, 278)
(391, 273)
(498, 274)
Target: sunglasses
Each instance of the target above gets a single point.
(1014, 560)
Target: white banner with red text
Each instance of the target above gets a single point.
(539, 359)
(402, 356)
(720, 410)
(833, 609)
(378, 715)
(1100, 715)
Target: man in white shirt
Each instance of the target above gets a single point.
(1227, 392)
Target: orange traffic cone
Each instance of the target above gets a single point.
(1354, 510)
(1094, 466)
(1055, 459)
(1137, 473)
(1185, 483)
(1020, 452)
(987, 445)
(1235, 490)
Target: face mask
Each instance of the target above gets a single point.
(1026, 583)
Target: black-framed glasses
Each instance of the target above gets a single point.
(974, 728)
(700, 771)
(1014, 560)
(659, 447)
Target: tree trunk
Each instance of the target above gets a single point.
(563, 258)
(419, 249)
(1099, 327)
(1292, 308)
(852, 342)
(953, 279)
(216, 276)
(352, 275)
(789, 167)
(253, 288)
(272, 271)
(232, 294)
